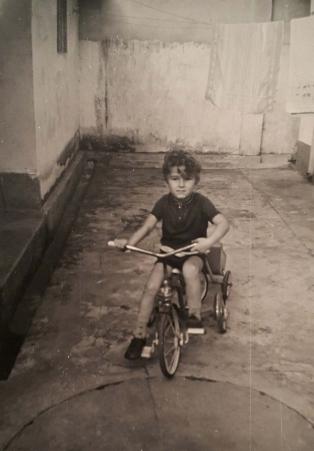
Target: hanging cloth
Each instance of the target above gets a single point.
(244, 66)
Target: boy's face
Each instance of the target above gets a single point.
(180, 184)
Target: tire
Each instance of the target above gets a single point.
(204, 284)
(216, 307)
(226, 285)
(220, 313)
(222, 323)
(169, 342)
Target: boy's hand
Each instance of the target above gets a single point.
(200, 245)
(121, 243)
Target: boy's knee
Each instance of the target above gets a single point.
(191, 270)
(152, 287)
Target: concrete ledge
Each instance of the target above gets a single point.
(19, 191)
(23, 239)
(25, 235)
(54, 206)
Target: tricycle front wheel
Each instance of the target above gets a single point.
(169, 342)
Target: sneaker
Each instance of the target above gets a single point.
(135, 348)
(194, 322)
(195, 326)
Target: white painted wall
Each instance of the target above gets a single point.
(301, 73)
(92, 86)
(56, 93)
(154, 93)
(151, 83)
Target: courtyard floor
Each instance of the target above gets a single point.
(249, 389)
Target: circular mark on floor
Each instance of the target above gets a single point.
(156, 414)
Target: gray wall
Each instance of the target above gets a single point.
(166, 20)
(17, 131)
(290, 9)
(39, 114)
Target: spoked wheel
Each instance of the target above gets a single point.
(220, 313)
(169, 343)
(204, 285)
(226, 285)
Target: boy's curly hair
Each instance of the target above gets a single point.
(178, 157)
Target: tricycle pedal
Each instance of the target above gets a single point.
(196, 331)
(147, 352)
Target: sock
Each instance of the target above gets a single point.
(140, 331)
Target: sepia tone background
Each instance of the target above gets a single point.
(93, 93)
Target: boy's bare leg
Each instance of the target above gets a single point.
(192, 269)
(147, 302)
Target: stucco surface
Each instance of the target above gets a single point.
(280, 129)
(17, 132)
(56, 95)
(154, 93)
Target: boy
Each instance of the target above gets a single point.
(185, 215)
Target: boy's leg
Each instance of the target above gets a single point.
(152, 286)
(191, 270)
(147, 302)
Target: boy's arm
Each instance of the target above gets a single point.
(220, 230)
(148, 225)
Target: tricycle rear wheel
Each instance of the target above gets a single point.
(220, 313)
(204, 286)
(226, 285)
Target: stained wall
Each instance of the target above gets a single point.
(144, 71)
(56, 94)
(154, 93)
(39, 114)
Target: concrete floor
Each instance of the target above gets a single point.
(250, 389)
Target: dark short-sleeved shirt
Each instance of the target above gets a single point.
(183, 220)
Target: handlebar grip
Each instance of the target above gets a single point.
(111, 244)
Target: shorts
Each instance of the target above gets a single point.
(178, 262)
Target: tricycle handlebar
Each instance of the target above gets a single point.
(156, 254)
